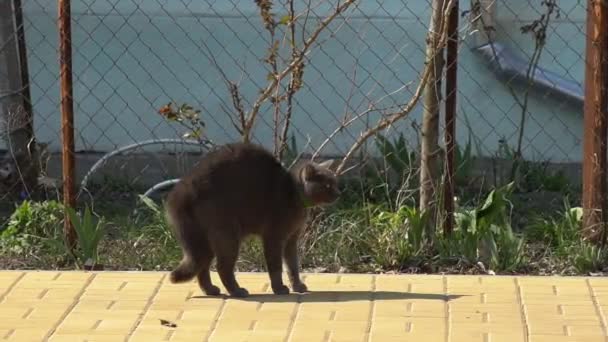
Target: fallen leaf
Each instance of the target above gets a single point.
(166, 323)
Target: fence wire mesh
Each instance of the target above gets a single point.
(341, 68)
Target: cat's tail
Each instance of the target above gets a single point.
(185, 271)
(188, 234)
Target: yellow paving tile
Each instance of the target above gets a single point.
(144, 306)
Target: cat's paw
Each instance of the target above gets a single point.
(239, 293)
(212, 291)
(281, 290)
(299, 287)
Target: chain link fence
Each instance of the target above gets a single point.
(314, 77)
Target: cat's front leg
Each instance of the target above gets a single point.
(290, 254)
(273, 248)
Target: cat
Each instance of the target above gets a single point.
(237, 190)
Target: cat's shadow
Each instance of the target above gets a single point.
(338, 296)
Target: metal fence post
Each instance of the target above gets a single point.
(595, 124)
(67, 113)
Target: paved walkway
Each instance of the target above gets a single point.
(144, 306)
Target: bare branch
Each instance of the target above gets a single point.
(293, 64)
(295, 82)
(233, 88)
(389, 120)
(348, 122)
(236, 101)
(299, 155)
(230, 116)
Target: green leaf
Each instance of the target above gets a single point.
(285, 19)
(383, 144)
(396, 155)
(88, 233)
(95, 241)
(468, 149)
(491, 242)
(75, 220)
(576, 213)
(400, 145)
(148, 202)
(495, 203)
(87, 223)
(54, 244)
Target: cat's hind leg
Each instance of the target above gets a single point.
(226, 248)
(203, 277)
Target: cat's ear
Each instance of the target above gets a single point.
(308, 171)
(328, 164)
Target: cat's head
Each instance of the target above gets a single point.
(319, 183)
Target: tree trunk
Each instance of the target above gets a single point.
(430, 151)
(19, 167)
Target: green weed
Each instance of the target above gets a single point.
(485, 234)
(396, 237)
(561, 233)
(396, 154)
(89, 231)
(33, 226)
(588, 257)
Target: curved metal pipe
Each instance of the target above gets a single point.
(509, 65)
(205, 144)
(160, 186)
